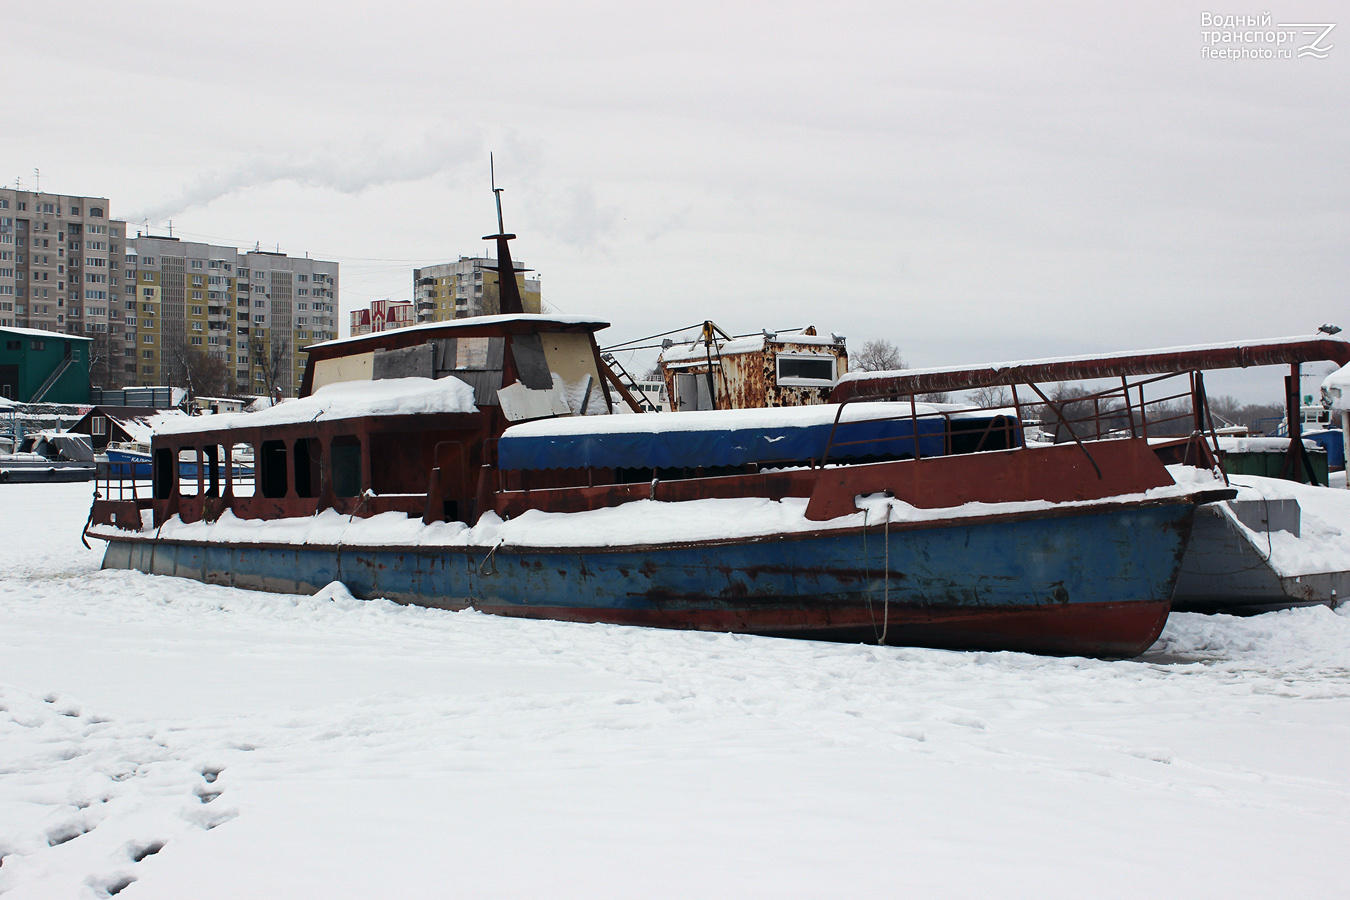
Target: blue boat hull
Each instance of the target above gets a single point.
(1073, 580)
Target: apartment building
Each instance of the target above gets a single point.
(60, 256)
(253, 309)
(468, 287)
(148, 301)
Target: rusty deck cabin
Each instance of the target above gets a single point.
(423, 464)
(722, 371)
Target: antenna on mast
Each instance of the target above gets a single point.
(496, 192)
(510, 302)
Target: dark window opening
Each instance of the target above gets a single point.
(811, 368)
(272, 466)
(346, 456)
(307, 452)
(166, 471)
(993, 433)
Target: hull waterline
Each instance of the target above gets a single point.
(1073, 580)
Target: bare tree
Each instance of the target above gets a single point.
(1076, 410)
(273, 357)
(202, 374)
(991, 397)
(207, 375)
(877, 356)
(101, 374)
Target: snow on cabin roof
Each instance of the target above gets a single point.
(470, 322)
(38, 333)
(344, 400)
(698, 351)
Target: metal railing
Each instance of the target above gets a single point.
(1141, 408)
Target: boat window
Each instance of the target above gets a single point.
(346, 458)
(187, 472)
(215, 469)
(307, 451)
(165, 473)
(802, 370)
(272, 469)
(241, 470)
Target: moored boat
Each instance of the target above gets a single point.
(484, 462)
(49, 456)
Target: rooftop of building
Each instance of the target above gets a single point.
(38, 333)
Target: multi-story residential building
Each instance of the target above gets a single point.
(467, 288)
(251, 309)
(60, 259)
(148, 301)
(383, 315)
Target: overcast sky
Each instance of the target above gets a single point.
(973, 181)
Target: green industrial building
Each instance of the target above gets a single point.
(43, 366)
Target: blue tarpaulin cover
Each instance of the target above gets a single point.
(643, 447)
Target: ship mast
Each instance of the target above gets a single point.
(505, 268)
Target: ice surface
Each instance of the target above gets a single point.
(216, 743)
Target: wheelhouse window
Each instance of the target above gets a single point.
(801, 370)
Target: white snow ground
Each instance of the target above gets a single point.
(274, 746)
